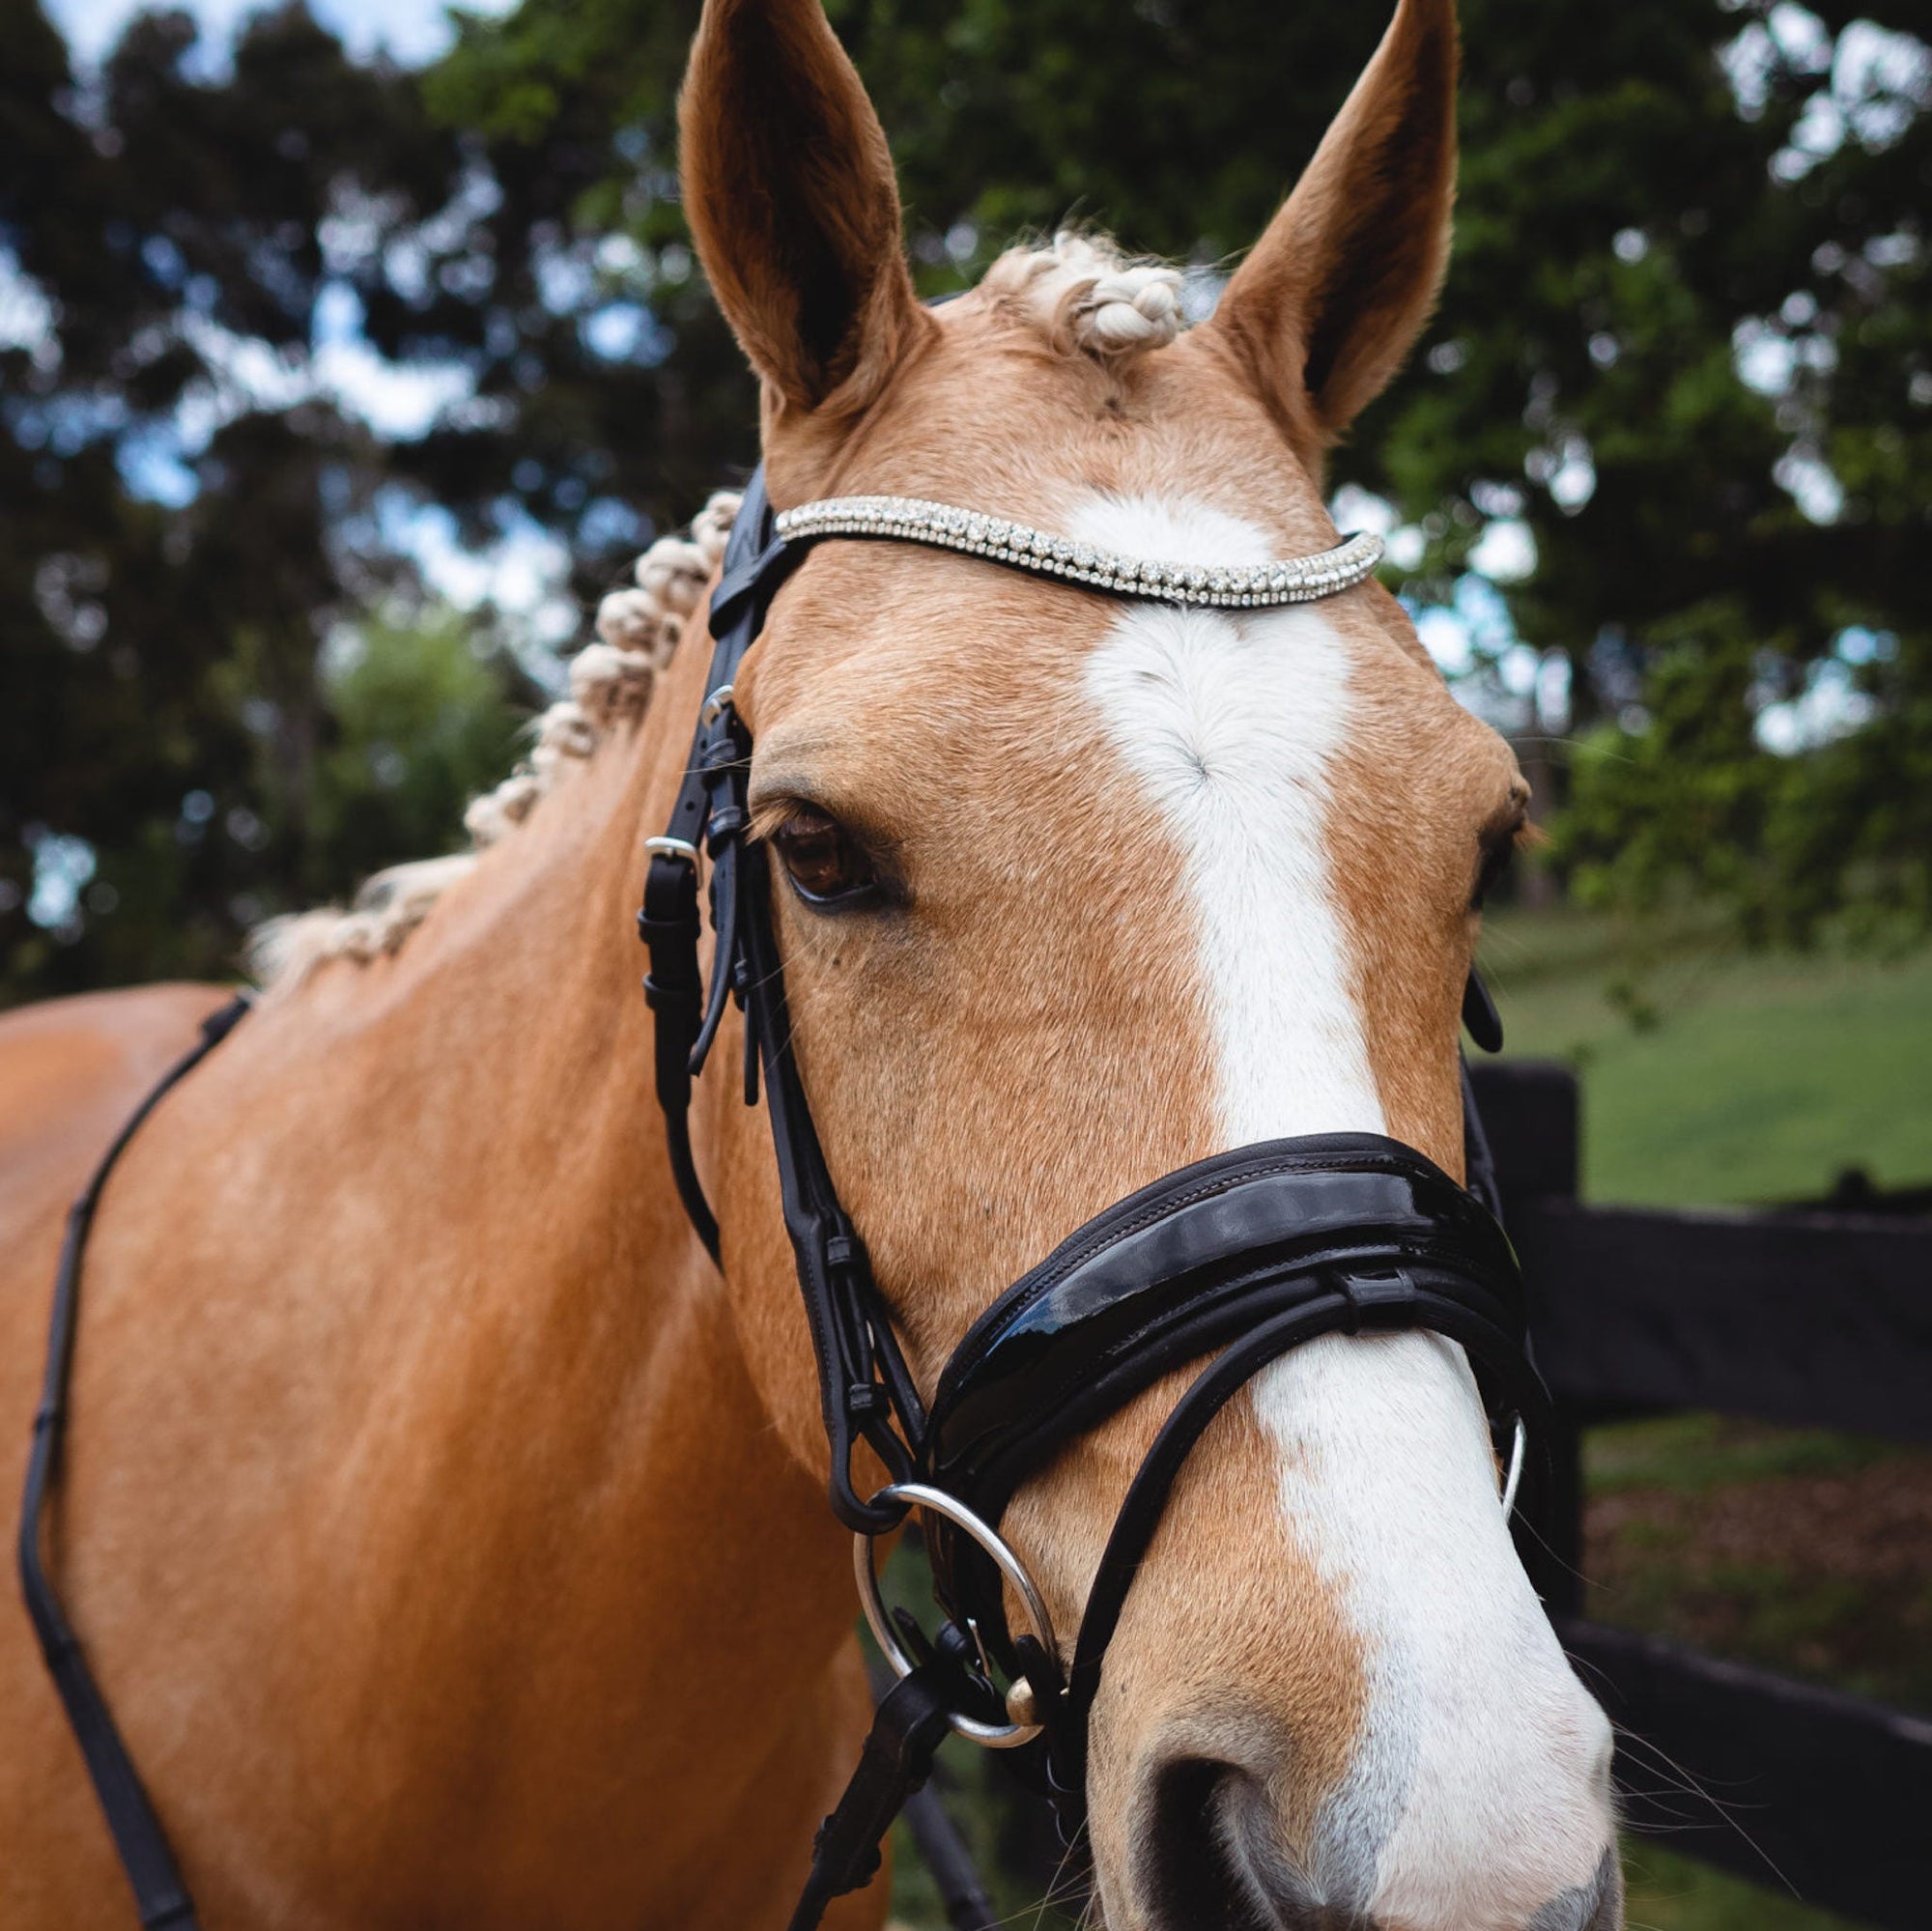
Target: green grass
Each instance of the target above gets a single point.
(1712, 1078)
(1668, 1892)
(1699, 1451)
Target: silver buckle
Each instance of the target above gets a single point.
(673, 848)
(1022, 1705)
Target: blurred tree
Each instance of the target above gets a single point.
(422, 724)
(1661, 467)
(1675, 403)
(200, 267)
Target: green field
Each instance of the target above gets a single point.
(1713, 1078)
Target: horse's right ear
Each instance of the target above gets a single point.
(788, 187)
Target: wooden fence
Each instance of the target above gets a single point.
(1804, 1319)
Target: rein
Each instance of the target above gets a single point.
(1249, 1253)
(160, 1897)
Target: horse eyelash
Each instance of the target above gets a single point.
(1498, 852)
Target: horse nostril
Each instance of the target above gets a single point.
(1211, 1858)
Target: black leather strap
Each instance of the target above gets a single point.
(1171, 1273)
(709, 811)
(1255, 1251)
(1479, 1015)
(912, 1721)
(866, 1391)
(1350, 1304)
(160, 1895)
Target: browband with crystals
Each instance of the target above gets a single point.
(1298, 579)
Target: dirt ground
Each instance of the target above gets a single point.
(1809, 1554)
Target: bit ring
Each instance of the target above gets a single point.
(922, 1495)
(1512, 1475)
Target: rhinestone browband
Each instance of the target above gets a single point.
(1298, 579)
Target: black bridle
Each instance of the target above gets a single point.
(1250, 1253)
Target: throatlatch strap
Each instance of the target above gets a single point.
(160, 1894)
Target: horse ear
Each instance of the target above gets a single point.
(1337, 289)
(788, 186)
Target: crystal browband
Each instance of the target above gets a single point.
(1298, 579)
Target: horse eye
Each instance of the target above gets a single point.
(1498, 849)
(823, 862)
(1496, 862)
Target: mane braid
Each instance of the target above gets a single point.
(1087, 297)
(611, 683)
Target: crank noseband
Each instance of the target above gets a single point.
(1249, 1253)
(1232, 1261)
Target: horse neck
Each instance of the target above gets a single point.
(531, 1048)
(531, 1477)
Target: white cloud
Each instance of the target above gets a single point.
(398, 402)
(1357, 508)
(525, 574)
(1807, 478)
(1829, 706)
(26, 314)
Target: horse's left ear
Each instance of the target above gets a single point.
(1337, 289)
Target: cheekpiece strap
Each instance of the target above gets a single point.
(866, 1391)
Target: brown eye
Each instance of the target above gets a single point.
(825, 866)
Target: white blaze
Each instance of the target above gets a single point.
(1479, 1757)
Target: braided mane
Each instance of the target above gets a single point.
(610, 682)
(1087, 297)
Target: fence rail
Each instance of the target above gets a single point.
(1804, 1319)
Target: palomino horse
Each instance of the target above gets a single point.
(450, 1536)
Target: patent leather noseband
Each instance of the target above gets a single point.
(1232, 1261)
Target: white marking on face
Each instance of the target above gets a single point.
(1478, 1787)
(1230, 722)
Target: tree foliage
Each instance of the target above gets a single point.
(1665, 448)
(1684, 357)
(194, 509)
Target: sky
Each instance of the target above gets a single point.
(414, 30)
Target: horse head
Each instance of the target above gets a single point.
(1074, 891)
